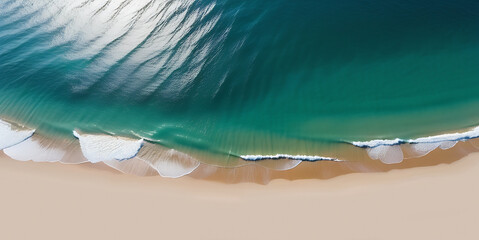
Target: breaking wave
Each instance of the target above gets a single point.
(286, 156)
(389, 151)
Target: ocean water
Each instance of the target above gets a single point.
(230, 78)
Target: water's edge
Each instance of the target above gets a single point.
(144, 158)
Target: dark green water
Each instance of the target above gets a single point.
(241, 77)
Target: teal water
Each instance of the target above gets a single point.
(232, 77)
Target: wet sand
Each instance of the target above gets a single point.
(57, 201)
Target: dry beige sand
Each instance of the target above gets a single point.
(55, 201)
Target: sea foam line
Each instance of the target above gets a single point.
(292, 157)
(452, 137)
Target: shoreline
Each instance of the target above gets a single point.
(147, 159)
(81, 202)
(260, 172)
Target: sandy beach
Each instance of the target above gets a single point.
(58, 201)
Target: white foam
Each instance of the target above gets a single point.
(99, 148)
(447, 145)
(34, 151)
(377, 142)
(167, 162)
(386, 154)
(10, 136)
(452, 137)
(174, 164)
(474, 133)
(379, 149)
(293, 157)
(422, 149)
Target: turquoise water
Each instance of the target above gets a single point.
(232, 77)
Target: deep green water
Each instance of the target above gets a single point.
(241, 77)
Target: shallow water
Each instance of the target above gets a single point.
(228, 78)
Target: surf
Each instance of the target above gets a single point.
(176, 87)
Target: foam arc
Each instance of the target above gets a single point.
(167, 162)
(32, 150)
(11, 134)
(40, 148)
(101, 148)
